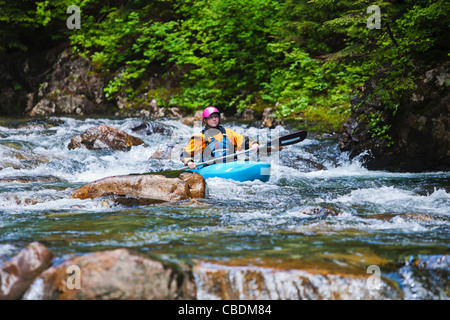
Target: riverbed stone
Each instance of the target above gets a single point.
(104, 137)
(17, 274)
(149, 188)
(117, 275)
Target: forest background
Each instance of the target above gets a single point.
(305, 58)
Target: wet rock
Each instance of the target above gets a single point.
(303, 164)
(319, 211)
(148, 188)
(164, 152)
(26, 179)
(116, 275)
(215, 281)
(17, 274)
(17, 158)
(433, 262)
(151, 128)
(104, 137)
(426, 277)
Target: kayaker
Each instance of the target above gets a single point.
(214, 140)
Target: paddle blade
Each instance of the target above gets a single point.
(290, 138)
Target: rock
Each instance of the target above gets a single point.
(292, 160)
(435, 262)
(20, 159)
(104, 137)
(269, 119)
(319, 211)
(196, 184)
(148, 188)
(151, 128)
(17, 274)
(74, 88)
(30, 179)
(216, 281)
(116, 275)
(248, 114)
(190, 121)
(419, 131)
(164, 152)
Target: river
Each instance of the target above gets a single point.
(396, 223)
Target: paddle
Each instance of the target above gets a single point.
(282, 141)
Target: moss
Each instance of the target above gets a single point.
(166, 173)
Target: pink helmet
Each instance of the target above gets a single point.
(208, 111)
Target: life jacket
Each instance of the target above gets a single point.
(212, 147)
(217, 148)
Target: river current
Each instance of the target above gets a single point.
(396, 223)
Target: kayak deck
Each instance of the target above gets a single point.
(237, 170)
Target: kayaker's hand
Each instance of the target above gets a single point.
(192, 165)
(255, 146)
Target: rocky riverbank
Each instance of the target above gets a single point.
(419, 133)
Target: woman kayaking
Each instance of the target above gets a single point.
(214, 141)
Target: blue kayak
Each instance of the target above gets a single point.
(237, 170)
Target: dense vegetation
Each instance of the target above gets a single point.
(305, 57)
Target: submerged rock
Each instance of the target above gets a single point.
(319, 211)
(17, 274)
(116, 274)
(104, 137)
(148, 188)
(30, 179)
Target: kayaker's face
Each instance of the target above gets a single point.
(213, 120)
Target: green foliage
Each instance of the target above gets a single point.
(305, 56)
(22, 23)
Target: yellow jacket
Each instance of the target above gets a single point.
(211, 141)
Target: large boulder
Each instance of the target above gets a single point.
(116, 274)
(148, 188)
(104, 137)
(17, 274)
(74, 87)
(419, 130)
